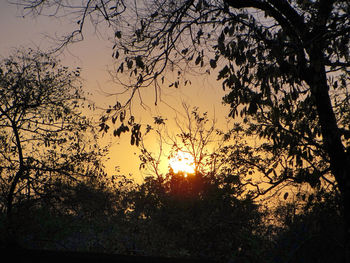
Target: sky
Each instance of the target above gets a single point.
(94, 56)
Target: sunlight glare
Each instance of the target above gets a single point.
(182, 162)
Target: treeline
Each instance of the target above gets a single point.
(54, 193)
(196, 217)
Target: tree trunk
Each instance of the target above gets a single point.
(338, 157)
(20, 171)
(10, 228)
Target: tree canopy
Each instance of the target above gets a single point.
(285, 66)
(283, 63)
(45, 139)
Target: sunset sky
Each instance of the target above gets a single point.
(93, 55)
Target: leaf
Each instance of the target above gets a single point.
(106, 127)
(120, 130)
(102, 125)
(199, 33)
(131, 120)
(139, 62)
(116, 54)
(154, 14)
(221, 38)
(129, 63)
(184, 51)
(121, 68)
(122, 116)
(159, 120)
(198, 60)
(335, 86)
(114, 119)
(222, 73)
(212, 63)
(253, 107)
(135, 135)
(118, 34)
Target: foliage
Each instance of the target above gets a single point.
(194, 134)
(311, 233)
(251, 163)
(45, 138)
(285, 65)
(210, 213)
(78, 218)
(193, 216)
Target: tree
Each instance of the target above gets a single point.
(45, 138)
(196, 216)
(310, 229)
(208, 213)
(284, 63)
(196, 135)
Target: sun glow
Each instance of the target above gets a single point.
(182, 162)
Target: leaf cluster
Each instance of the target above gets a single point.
(45, 137)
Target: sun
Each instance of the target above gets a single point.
(182, 162)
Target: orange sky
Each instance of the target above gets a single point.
(93, 55)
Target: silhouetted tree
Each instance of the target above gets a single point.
(194, 216)
(284, 63)
(45, 138)
(194, 134)
(310, 229)
(78, 216)
(220, 152)
(210, 212)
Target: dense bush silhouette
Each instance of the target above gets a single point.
(312, 234)
(194, 215)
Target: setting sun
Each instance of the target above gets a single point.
(182, 162)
